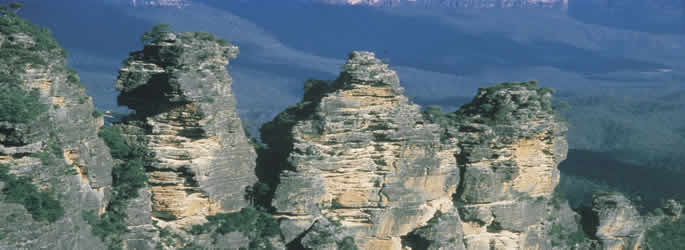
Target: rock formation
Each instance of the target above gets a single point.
(510, 145)
(366, 159)
(354, 165)
(53, 166)
(185, 113)
(369, 160)
(620, 223)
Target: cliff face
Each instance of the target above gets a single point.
(511, 145)
(369, 161)
(53, 166)
(201, 162)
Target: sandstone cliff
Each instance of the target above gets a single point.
(364, 160)
(201, 160)
(511, 145)
(354, 165)
(53, 166)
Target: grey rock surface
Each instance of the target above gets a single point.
(59, 151)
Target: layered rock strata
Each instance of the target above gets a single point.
(367, 160)
(185, 111)
(48, 139)
(510, 145)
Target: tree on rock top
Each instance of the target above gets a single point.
(156, 33)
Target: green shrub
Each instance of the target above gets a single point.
(19, 106)
(156, 33)
(97, 113)
(20, 190)
(434, 114)
(256, 224)
(667, 235)
(128, 176)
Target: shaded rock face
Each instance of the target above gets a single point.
(367, 160)
(58, 151)
(510, 146)
(185, 110)
(620, 224)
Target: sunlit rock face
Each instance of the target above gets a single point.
(510, 145)
(367, 160)
(185, 114)
(620, 224)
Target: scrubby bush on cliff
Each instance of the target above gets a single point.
(18, 105)
(40, 204)
(156, 33)
(668, 235)
(255, 224)
(434, 114)
(128, 176)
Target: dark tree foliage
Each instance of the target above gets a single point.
(668, 235)
(156, 33)
(18, 105)
(435, 115)
(256, 224)
(40, 204)
(128, 176)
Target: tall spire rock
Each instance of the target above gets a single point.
(365, 162)
(511, 144)
(202, 161)
(53, 166)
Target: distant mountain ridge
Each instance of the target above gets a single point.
(467, 4)
(158, 3)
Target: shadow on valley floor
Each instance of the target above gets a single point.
(584, 171)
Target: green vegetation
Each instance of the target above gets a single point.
(18, 105)
(561, 237)
(97, 113)
(206, 36)
(435, 115)
(20, 190)
(256, 224)
(347, 244)
(667, 235)
(155, 35)
(495, 109)
(128, 176)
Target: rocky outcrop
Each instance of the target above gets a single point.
(620, 224)
(367, 159)
(49, 145)
(510, 145)
(185, 112)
